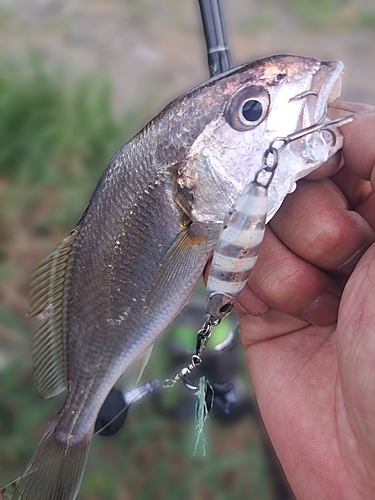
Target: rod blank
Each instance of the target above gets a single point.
(218, 53)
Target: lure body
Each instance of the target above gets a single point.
(129, 266)
(236, 251)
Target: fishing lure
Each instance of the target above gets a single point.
(236, 251)
(239, 241)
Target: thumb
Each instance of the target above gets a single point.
(356, 351)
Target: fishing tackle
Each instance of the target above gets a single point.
(115, 408)
(239, 240)
(203, 336)
(218, 53)
(243, 229)
(237, 250)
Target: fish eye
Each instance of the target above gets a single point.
(251, 112)
(247, 108)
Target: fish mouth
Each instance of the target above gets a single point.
(324, 89)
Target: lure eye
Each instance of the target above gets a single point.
(247, 108)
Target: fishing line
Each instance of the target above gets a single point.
(126, 408)
(130, 398)
(4, 488)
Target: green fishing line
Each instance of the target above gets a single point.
(201, 416)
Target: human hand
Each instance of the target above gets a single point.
(314, 379)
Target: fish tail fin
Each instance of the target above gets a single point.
(55, 470)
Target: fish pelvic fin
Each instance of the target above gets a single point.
(47, 297)
(144, 360)
(55, 470)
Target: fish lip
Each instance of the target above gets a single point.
(326, 82)
(325, 88)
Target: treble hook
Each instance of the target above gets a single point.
(279, 143)
(316, 127)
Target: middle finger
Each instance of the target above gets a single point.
(316, 224)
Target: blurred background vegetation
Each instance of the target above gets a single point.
(77, 79)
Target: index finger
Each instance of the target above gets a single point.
(359, 165)
(358, 136)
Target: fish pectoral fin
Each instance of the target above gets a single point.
(189, 250)
(47, 289)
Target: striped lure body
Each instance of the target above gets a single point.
(237, 250)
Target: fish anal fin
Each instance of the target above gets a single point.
(46, 297)
(189, 250)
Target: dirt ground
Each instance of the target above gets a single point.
(152, 51)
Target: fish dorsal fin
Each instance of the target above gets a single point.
(46, 298)
(188, 252)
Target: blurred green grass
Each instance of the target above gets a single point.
(315, 15)
(55, 140)
(55, 135)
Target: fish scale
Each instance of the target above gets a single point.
(123, 277)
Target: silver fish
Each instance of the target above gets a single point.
(129, 266)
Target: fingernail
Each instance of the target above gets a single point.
(323, 311)
(347, 267)
(358, 108)
(252, 303)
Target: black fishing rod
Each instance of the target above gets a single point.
(218, 53)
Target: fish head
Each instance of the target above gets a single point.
(257, 103)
